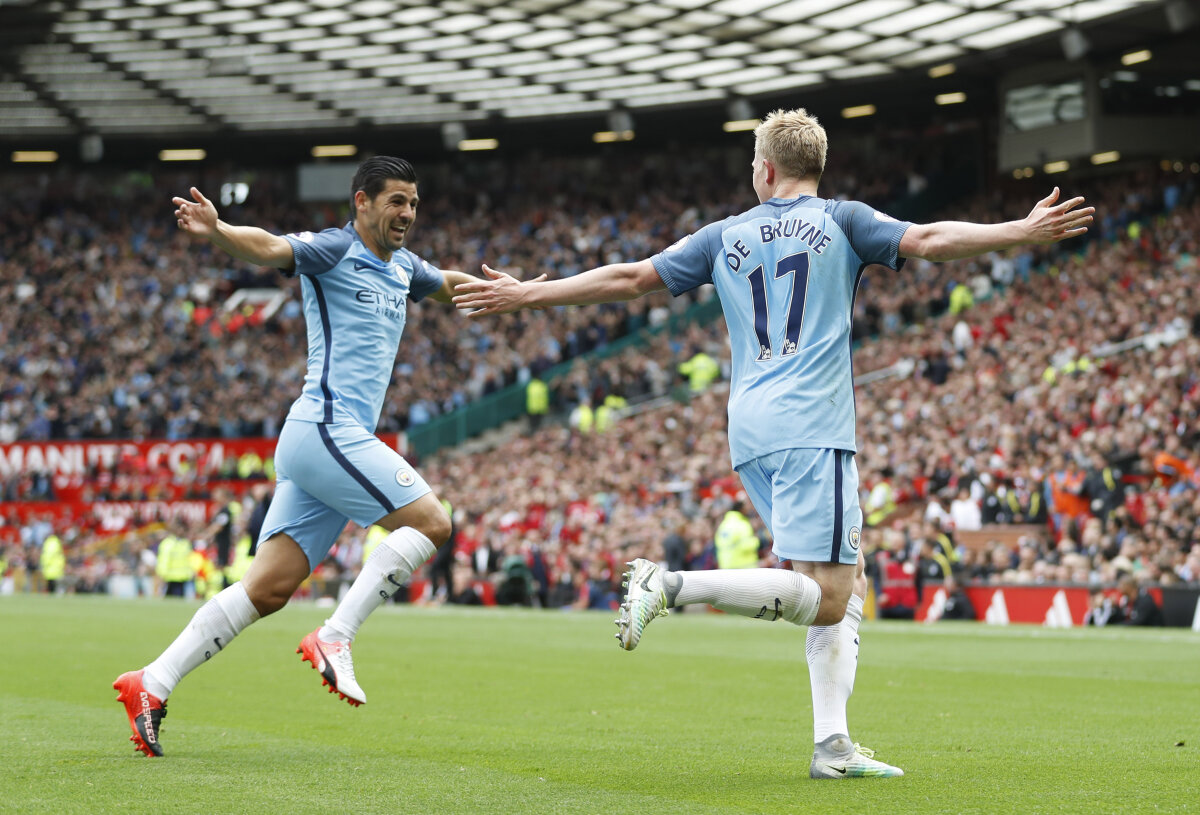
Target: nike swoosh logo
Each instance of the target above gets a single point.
(841, 770)
(646, 583)
(358, 267)
(392, 580)
(217, 640)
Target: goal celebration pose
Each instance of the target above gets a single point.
(786, 272)
(330, 466)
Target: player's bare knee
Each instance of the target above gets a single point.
(830, 613)
(433, 523)
(426, 515)
(436, 527)
(833, 605)
(268, 596)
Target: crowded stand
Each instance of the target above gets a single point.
(1053, 390)
(1040, 427)
(91, 293)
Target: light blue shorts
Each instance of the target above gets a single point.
(326, 474)
(809, 500)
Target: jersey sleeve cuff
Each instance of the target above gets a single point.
(418, 296)
(894, 248)
(664, 272)
(295, 270)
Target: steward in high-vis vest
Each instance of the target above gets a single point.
(174, 566)
(701, 370)
(537, 401)
(1037, 510)
(606, 412)
(583, 418)
(943, 546)
(205, 574)
(737, 545)
(53, 562)
(881, 502)
(961, 298)
(240, 561)
(375, 536)
(250, 465)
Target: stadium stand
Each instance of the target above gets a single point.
(1087, 356)
(1037, 406)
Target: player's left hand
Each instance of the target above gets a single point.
(501, 293)
(199, 217)
(1051, 222)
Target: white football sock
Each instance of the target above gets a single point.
(395, 559)
(832, 652)
(213, 627)
(764, 594)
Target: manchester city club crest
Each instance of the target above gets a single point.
(405, 477)
(855, 538)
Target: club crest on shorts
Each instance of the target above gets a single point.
(405, 477)
(855, 537)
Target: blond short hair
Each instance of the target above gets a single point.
(794, 142)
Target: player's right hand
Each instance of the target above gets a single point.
(197, 217)
(498, 293)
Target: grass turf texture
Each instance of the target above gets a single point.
(524, 711)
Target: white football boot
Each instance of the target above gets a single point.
(837, 757)
(644, 600)
(332, 660)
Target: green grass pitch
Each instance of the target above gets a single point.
(522, 711)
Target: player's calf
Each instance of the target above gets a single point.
(761, 594)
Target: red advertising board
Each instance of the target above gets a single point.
(75, 458)
(1055, 606)
(78, 458)
(160, 478)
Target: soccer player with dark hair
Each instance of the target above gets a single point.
(330, 466)
(786, 272)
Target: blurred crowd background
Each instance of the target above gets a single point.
(1051, 390)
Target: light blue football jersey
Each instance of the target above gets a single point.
(354, 307)
(786, 272)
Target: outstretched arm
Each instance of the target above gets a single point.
(249, 243)
(502, 293)
(1046, 223)
(451, 279)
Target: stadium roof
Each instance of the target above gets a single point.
(116, 67)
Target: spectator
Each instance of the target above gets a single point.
(1137, 604)
(965, 513)
(516, 584)
(1101, 609)
(958, 604)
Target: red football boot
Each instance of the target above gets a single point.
(145, 712)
